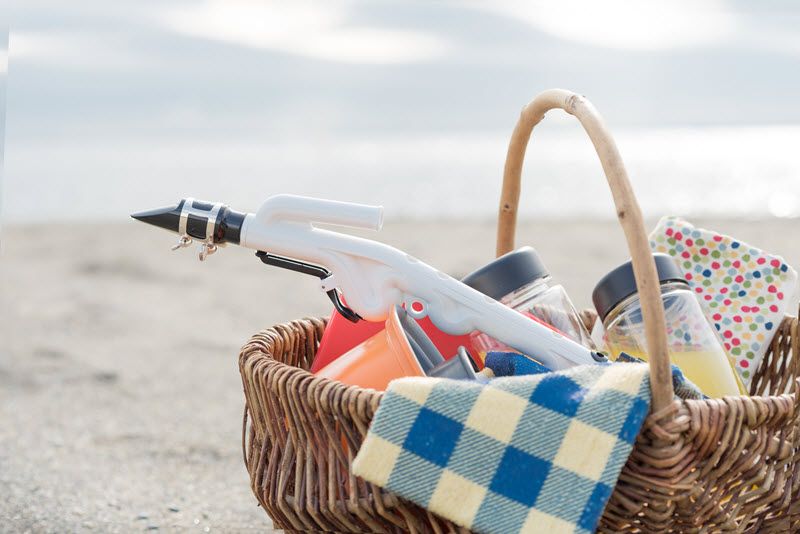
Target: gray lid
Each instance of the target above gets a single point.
(620, 283)
(507, 273)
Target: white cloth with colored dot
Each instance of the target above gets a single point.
(744, 291)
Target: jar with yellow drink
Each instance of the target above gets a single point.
(692, 342)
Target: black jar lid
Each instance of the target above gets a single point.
(507, 273)
(620, 283)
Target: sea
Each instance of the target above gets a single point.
(722, 171)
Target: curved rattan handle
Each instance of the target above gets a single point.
(628, 212)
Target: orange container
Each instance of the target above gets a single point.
(378, 360)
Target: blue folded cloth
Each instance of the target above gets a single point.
(513, 364)
(537, 453)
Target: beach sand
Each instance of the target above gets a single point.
(120, 397)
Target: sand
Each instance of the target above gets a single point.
(120, 397)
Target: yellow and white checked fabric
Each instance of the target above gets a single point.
(537, 453)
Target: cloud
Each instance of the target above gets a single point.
(317, 30)
(89, 50)
(624, 24)
(774, 40)
(3, 51)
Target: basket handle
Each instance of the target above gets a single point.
(628, 212)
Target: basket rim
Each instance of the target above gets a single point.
(319, 383)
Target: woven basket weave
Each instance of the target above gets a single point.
(697, 466)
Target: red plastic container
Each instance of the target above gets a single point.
(342, 335)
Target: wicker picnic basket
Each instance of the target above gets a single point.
(697, 466)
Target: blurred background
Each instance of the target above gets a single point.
(120, 395)
(407, 104)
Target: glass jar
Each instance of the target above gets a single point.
(691, 340)
(520, 280)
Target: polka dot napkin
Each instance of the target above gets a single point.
(744, 291)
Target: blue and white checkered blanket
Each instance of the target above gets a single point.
(538, 453)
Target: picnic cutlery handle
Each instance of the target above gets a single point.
(628, 213)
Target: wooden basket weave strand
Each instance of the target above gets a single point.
(715, 465)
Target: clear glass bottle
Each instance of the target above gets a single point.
(520, 280)
(692, 343)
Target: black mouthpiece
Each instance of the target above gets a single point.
(192, 217)
(166, 218)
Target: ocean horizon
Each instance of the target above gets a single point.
(724, 171)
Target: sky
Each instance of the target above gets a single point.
(3, 81)
(3, 84)
(143, 100)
